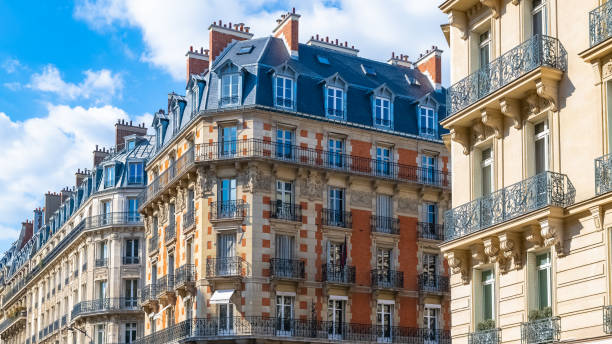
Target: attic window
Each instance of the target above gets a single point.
(368, 70)
(322, 59)
(245, 50)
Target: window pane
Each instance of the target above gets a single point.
(537, 22)
(540, 155)
(486, 180)
(487, 295)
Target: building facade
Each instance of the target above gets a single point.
(528, 238)
(296, 194)
(74, 275)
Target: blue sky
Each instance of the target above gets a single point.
(69, 70)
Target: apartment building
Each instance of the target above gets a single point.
(528, 237)
(296, 194)
(74, 274)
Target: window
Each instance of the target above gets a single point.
(336, 152)
(102, 289)
(383, 261)
(484, 48)
(430, 271)
(245, 50)
(430, 322)
(428, 168)
(336, 207)
(384, 213)
(544, 281)
(194, 99)
(284, 143)
(226, 246)
(486, 166)
(430, 219)
(427, 122)
(284, 246)
(130, 332)
(538, 17)
(335, 104)
(229, 89)
(133, 210)
(368, 70)
(284, 315)
(100, 330)
(135, 173)
(382, 112)
(284, 200)
(109, 176)
(228, 135)
(384, 322)
(383, 161)
(154, 274)
(284, 92)
(131, 293)
(335, 315)
(131, 144)
(541, 147)
(488, 294)
(131, 252)
(106, 212)
(227, 198)
(188, 310)
(169, 317)
(226, 318)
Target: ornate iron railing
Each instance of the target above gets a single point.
(304, 329)
(188, 219)
(537, 51)
(285, 211)
(387, 279)
(607, 319)
(104, 305)
(433, 283)
(284, 102)
(165, 284)
(227, 267)
(384, 224)
(287, 268)
(600, 24)
(603, 174)
(542, 190)
(234, 209)
(170, 231)
(321, 159)
(334, 273)
(541, 331)
(230, 100)
(173, 171)
(148, 293)
(21, 315)
(185, 273)
(431, 231)
(131, 260)
(64, 320)
(153, 242)
(337, 218)
(101, 262)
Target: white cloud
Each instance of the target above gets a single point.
(99, 86)
(13, 86)
(9, 233)
(11, 65)
(375, 27)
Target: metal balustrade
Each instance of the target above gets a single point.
(603, 174)
(173, 171)
(537, 51)
(227, 267)
(541, 331)
(131, 260)
(287, 268)
(230, 100)
(148, 293)
(336, 218)
(104, 305)
(170, 233)
(433, 283)
(153, 242)
(387, 279)
(188, 220)
(430, 231)
(20, 315)
(184, 274)
(335, 273)
(284, 102)
(384, 224)
(101, 262)
(607, 319)
(542, 190)
(165, 284)
(64, 320)
(285, 211)
(234, 209)
(600, 24)
(302, 329)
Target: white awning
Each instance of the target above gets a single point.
(221, 296)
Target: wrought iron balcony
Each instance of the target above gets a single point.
(430, 231)
(537, 51)
(541, 331)
(228, 101)
(433, 283)
(165, 285)
(284, 102)
(226, 267)
(600, 24)
(336, 218)
(153, 243)
(170, 232)
(287, 268)
(148, 293)
(127, 260)
(101, 262)
(607, 319)
(188, 220)
(285, 211)
(384, 224)
(185, 274)
(387, 279)
(104, 305)
(334, 273)
(542, 190)
(321, 159)
(603, 173)
(17, 318)
(235, 209)
(304, 330)
(174, 171)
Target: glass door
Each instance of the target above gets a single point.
(226, 319)
(335, 317)
(228, 141)
(430, 323)
(284, 200)
(336, 152)
(284, 143)
(225, 255)
(336, 206)
(227, 201)
(384, 323)
(284, 315)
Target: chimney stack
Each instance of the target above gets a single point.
(287, 30)
(98, 155)
(399, 60)
(430, 64)
(80, 176)
(220, 36)
(123, 129)
(27, 230)
(52, 203)
(197, 61)
(332, 45)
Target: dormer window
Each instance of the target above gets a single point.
(109, 176)
(427, 122)
(382, 112)
(229, 90)
(131, 144)
(284, 92)
(135, 173)
(194, 100)
(335, 103)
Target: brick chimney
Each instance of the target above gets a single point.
(27, 230)
(53, 201)
(197, 62)
(221, 35)
(430, 64)
(99, 154)
(399, 60)
(124, 128)
(287, 30)
(80, 175)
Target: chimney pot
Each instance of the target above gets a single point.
(278, 21)
(229, 25)
(293, 10)
(327, 39)
(201, 50)
(220, 22)
(393, 54)
(317, 37)
(191, 48)
(246, 28)
(336, 41)
(352, 47)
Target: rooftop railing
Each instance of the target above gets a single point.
(542, 190)
(541, 331)
(537, 51)
(600, 24)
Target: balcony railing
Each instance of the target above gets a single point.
(600, 24)
(148, 293)
(384, 224)
(430, 231)
(338, 113)
(173, 171)
(603, 173)
(64, 320)
(170, 232)
(235, 209)
(185, 273)
(537, 51)
(131, 260)
(387, 279)
(227, 101)
(227, 267)
(188, 219)
(165, 284)
(433, 283)
(287, 268)
(21, 315)
(321, 159)
(541, 331)
(337, 218)
(153, 243)
(284, 102)
(542, 190)
(104, 305)
(101, 262)
(334, 273)
(285, 211)
(305, 330)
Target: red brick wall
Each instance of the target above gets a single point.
(196, 66)
(361, 308)
(361, 149)
(408, 251)
(218, 41)
(408, 312)
(289, 30)
(361, 245)
(433, 65)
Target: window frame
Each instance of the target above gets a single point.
(380, 122)
(110, 179)
(539, 9)
(234, 99)
(334, 109)
(424, 121)
(284, 88)
(545, 136)
(484, 44)
(488, 283)
(487, 163)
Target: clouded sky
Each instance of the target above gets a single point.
(68, 71)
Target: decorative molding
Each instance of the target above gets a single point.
(551, 230)
(478, 130)
(493, 119)
(461, 136)
(548, 89)
(204, 182)
(311, 186)
(597, 216)
(179, 199)
(516, 2)
(533, 236)
(510, 244)
(458, 261)
(533, 104)
(254, 180)
(446, 139)
(407, 205)
(361, 199)
(478, 254)
(458, 20)
(512, 108)
(491, 249)
(494, 5)
(598, 70)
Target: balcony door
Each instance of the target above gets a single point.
(484, 49)
(430, 322)
(226, 319)
(538, 17)
(284, 315)
(335, 317)
(384, 322)
(429, 166)
(131, 291)
(284, 199)
(227, 198)
(486, 175)
(383, 161)
(133, 215)
(227, 138)
(284, 252)
(102, 290)
(284, 143)
(383, 265)
(430, 270)
(105, 211)
(336, 206)
(226, 245)
(336, 152)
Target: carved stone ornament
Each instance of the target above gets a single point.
(548, 89)
(458, 20)
(361, 199)
(551, 231)
(255, 180)
(494, 5)
(458, 261)
(532, 103)
(179, 199)
(512, 108)
(494, 120)
(407, 205)
(596, 213)
(312, 186)
(510, 244)
(204, 182)
(478, 255)
(606, 70)
(147, 223)
(491, 249)
(163, 212)
(479, 130)
(461, 135)
(533, 236)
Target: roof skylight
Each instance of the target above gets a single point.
(368, 70)
(322, 59)
(245, 50)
